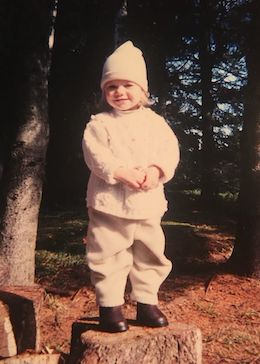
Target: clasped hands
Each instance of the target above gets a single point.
(139, 179)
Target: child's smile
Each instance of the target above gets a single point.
(123, 95)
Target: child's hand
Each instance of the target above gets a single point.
(152, 178)
(133, 178)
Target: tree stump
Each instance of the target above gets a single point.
(7, 339)
(23, 305)
(177, 343)
(34, 359)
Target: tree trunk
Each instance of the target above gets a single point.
(246, 255)
(207, 152)
(120, 33)
(22, 184)
(77, 59)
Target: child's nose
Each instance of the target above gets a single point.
(120, 89)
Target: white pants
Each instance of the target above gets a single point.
(118, 248)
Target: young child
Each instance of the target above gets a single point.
(131, 152)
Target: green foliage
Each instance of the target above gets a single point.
(49, 264)
(60, 242)
(169, 34)
(62, 232)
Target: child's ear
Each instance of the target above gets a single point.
(145, 101)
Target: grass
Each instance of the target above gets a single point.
(194, 192)
(250, 314)
(60, 242)
(206, 308)
(192, 237)
(176, 223)
(49, 263)
(53, 303)
(225, 195)
(232, 337)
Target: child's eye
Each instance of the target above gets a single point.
(111, 87)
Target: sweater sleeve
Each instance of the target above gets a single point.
(97, 154)
(166, 154)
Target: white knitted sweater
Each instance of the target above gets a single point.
(139, 138)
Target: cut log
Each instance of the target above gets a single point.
(34, 359)
(7, 339)
(24, 304)
(175, 344)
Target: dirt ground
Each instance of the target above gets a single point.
(225, 307)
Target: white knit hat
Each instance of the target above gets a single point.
(126, 63)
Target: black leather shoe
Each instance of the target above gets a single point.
(150, 315)
(112, 319)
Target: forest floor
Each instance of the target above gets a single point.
(226, 307)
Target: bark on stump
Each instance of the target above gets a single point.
(23, 305)
(177, 343)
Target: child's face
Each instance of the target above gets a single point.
(123, 95)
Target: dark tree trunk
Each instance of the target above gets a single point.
(120, 33)
(151, 27)
(81, 46)
(23, 176)
(246, 255)
(207, 152)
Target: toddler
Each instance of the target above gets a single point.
(131, 152)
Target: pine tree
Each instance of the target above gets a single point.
(27, 68)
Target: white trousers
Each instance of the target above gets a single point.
(118, 248)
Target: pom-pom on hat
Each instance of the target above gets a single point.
(126, 63)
